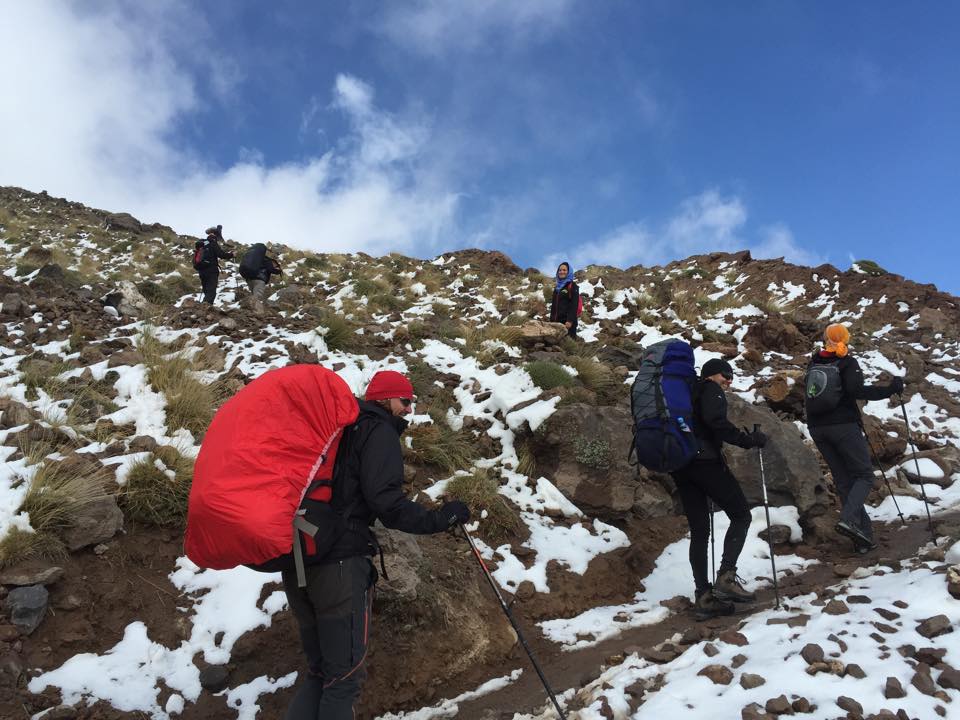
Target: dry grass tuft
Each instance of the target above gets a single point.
(499, 518)
(438, 444)
(152, 496)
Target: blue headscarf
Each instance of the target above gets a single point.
(567, 279)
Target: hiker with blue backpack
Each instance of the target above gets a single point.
(680, 426)
(565, 307)
(833, 384)
(206, 254)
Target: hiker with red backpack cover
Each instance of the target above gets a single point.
(832, 386)
(291, 474)
(206, 254)
(566, 305)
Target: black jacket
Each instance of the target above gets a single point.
(710, 423)
(851, 377)
(216, 253)
(368, 485)
(268, 267)
(563, 307)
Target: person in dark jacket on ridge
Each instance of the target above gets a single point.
(707, 477)
(839, 436)
(261, 278)
(333, 610)
(566, 299)
(209, 271)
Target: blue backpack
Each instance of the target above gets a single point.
(661, 401)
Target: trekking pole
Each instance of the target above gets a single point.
(916, 462)
(876, 459)
(513, 622)
(713, 553)
(766, 510)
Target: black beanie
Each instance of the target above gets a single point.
(716, 365)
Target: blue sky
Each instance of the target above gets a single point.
(610, 132)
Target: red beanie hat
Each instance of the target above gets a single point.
(388, 384)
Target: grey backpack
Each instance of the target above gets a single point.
(823, 388)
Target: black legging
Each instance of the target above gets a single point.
(208, 281)
(712, 479)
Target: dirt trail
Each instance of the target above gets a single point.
(579, 667)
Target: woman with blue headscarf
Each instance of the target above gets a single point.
(565, 306)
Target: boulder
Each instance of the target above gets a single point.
(28, 574)
(14, 305)
(94, 522)
(538, 331)
(774, 333)
(127, 300)
(583, 449)
(402, 555)
(122, 221)
(50, 279)
(289, 296)
(27, 606)
(13, 413)
(888, 447)
(784, 393)
(626, 353)
(792, 468)
(944, 465)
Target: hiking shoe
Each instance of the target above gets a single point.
(855, 534)
(728, 587)
(709, 606)
(864, 547)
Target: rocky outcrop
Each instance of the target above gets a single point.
(791, 468)
(537, 331)
(584, 448)
(127, 300)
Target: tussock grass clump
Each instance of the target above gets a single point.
(870, 267)
(548, 375)
(499, 518)
(152, 496)
(527, 464)
(157, 293)
(340, 333)
(595, 375)
(53, 500)
(575, 348)
(190, 403)
(42, 375)
(438, 444)
(368, 287)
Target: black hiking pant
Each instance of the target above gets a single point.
(696, 483)
(208, 281)
(845, 449)
(333, 614)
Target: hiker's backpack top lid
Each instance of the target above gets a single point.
(261, 452)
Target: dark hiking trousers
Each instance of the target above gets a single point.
(333, 614)
(208, 281)
(845, 449)
(711, 479)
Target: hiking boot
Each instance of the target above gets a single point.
(855, 534)
(709, 606)
(864, 547)
(728, 587)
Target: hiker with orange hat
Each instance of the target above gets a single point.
(333, 610)
(834, 383)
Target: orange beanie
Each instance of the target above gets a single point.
(835, 339)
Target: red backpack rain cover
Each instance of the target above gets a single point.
(260, 454)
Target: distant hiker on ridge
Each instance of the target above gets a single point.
(256, 267)
(834, 383)
(333, 610)
(707, 477)
(565, 306)
(205, 261)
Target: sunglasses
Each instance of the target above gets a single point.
(406, 402)
(727, 376)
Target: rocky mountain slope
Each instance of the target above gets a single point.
(110, 370)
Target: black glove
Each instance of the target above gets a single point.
(451, 513)
(756, 439)
(896, 385)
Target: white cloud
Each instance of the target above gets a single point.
(92, 104)
(435, 26)
(702, 224)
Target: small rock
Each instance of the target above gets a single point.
(101, 549)
(526, 591)
(27, 606)
(31, 576)
(143, 443)
(780, 533)
(901, 604)
(893, 689)
(886, 614)
(754, 712)
(935, 626)
(717, 674)
(8, 633)
(929, 655)
(840, 643)
(801, 705)
(213, 679)
(953, 582)
(779, 706)
(68, 602)
(738, 660)
(749, 681)
(710, 650)
(732, 637)
(836, 607)
(850, 705)
(858, 599)
(855, 671)
(812, 653)
(923, 682)
(949, 679)
(228, 324)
